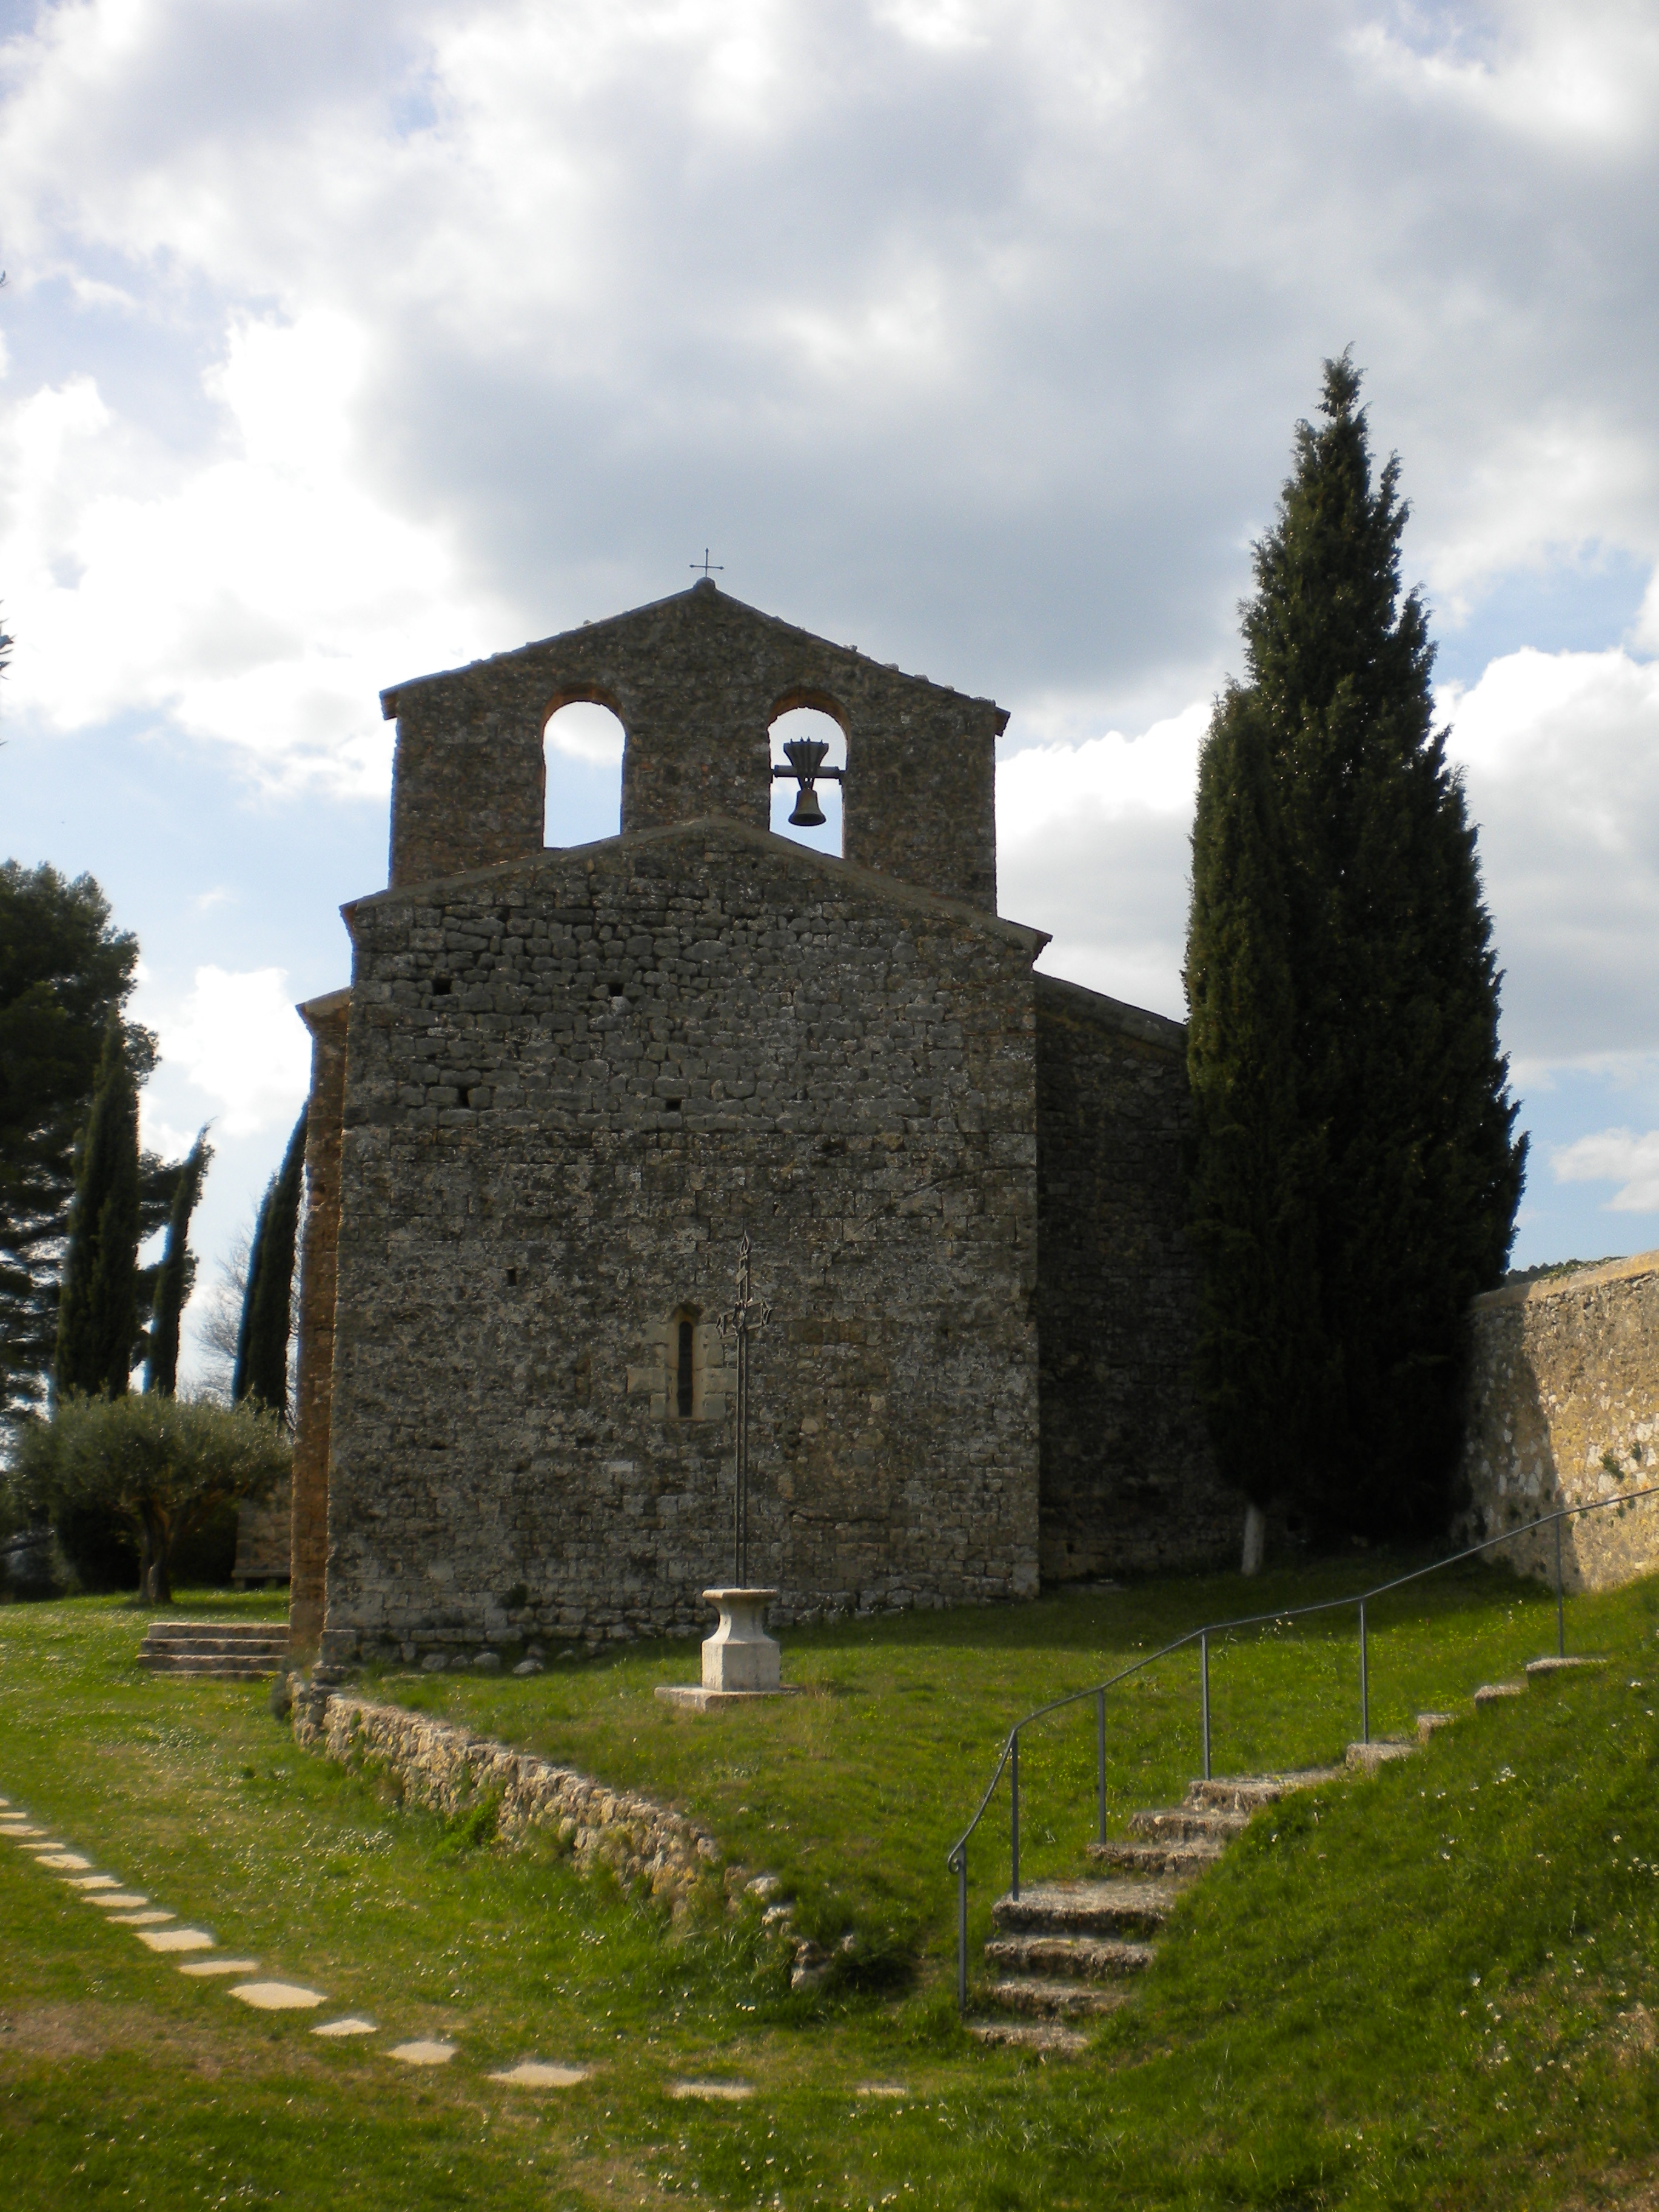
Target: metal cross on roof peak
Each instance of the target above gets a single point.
(706, 565)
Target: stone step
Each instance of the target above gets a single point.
(1076, 1958)
(1428, 1724)
(1047, 2036)
(1492, 1693)
(1366, 1758)
(1248, 1793)
(1177, 1857)
(1052, 2000)
(212, 1665)
(1552, 1665)
(229, 1645)
(231, 1632)
(1189, 1823)
(230, 1654)
(1086, 1908)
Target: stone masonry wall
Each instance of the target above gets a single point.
(326, 1018)
(572, 1083)
(696, 682)
(262, 1553)
(448, 1770)
(1564, 1408)
(1128, 1478)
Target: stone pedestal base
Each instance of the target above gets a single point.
(740, 1661)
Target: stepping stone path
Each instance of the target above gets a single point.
(158, 1932)
(176, 1939)
(1068, 1951)
(714, 2092)
(278, 1997)
(237, 1650)
(535, 2073)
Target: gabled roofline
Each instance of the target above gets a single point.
(891, 889)
(1136, 1021)
(704, 586)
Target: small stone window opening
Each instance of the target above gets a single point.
(683, 1371)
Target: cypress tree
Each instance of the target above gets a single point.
(98, 1302)
(1357, 1173)
(261, 1345)
(175, 1275)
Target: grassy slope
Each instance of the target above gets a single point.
(1312, 2035)
(855, 1792)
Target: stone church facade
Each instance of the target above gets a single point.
(564, 1083)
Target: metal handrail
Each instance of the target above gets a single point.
(956, 1858)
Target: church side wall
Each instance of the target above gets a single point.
(572, 1085)
(1564, 1409)
(1128, 1480)
(326, 1019)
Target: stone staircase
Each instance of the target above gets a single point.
(233, 1649)
(1065, 1952)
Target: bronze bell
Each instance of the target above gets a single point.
(805, 757)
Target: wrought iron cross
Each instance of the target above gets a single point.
(741, 1320)
(705, 564)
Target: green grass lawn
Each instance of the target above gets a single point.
(1434, 1989)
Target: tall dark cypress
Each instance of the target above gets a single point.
(98, 1297)
(262, 1347)
(175, 1275)
(1357, 1171)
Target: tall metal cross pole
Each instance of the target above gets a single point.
(741, 1320)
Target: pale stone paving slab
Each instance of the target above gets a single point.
(346, 2028)
(220, 1967)
(124, 1900)
(278, 1997)
(536, 2074)
(716, 2093)
(881, 2089)
(176, 1939)
(90, 1881)
(424, 2054)
(63, 1862)
(153, 1918)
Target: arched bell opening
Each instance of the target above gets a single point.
(809, 758)
(582, 744)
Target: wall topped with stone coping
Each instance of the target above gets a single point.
(1564, 1410)
(447, 1769)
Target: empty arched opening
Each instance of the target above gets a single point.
(582, 753)
(812, 723)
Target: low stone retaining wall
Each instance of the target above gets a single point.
(1564, 1409)
(447, 1770)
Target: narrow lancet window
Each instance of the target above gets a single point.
(683, 1373)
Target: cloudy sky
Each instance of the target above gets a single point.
(342, 343)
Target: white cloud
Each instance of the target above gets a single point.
(1619, 1156)
(974, 330)
(289, 594)
(1560, 753)
(1092, 845)
(238, 1040)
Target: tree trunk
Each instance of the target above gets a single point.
(155, 1560)
(1255, 1540)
